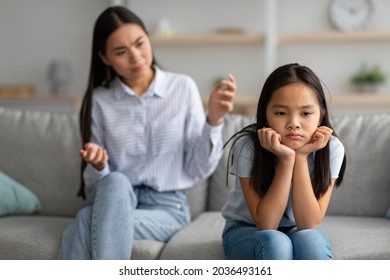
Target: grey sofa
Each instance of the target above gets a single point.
(40, 150)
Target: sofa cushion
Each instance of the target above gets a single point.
(39, 238)
(218, 190)
(200, 240)
(146, 250)
(358, 238)
(31, 237)
(366, 187)
(16, 198)
(197, 198)
(40, 150)
(351, 238)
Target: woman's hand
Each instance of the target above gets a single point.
(221, 100)
(318, 141)
(270, 140)
(94, 155)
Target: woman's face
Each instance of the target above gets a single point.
(129, 53)
(294, 113)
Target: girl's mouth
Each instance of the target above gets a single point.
(294, 136)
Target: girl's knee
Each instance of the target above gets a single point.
(274, 245)
(311, 244)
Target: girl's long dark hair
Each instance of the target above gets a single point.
(263, 166)
(100, 74)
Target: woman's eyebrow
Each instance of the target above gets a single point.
(121, 47)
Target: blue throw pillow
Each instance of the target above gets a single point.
(16, 198)
(388, 213)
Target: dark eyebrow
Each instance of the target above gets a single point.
(119, 48)
(123, 47)
(309, 106)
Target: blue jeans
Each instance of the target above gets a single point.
(116, 213)
(242, 241)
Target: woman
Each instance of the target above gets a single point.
(146, 139)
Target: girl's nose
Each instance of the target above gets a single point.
(293, 123)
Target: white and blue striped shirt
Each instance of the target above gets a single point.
(160, 139)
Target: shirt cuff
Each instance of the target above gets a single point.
(214, 133)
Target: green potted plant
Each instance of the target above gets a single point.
(368, 79)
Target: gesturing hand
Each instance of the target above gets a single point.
(270, 140)
(95, 155)
(318, 141)
(221, 100)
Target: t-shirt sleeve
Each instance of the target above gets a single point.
(243, 151)
(336, 156)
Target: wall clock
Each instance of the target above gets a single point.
(351, 15)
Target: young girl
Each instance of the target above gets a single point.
(285, 167)
(146, 139)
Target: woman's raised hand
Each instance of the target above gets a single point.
(221, 100)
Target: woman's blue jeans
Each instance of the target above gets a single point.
(116, 213)
(242, 241)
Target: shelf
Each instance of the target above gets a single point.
(359, 99)
(335, 37)
(219, 39)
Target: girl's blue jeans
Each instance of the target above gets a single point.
(242, 241)
(116, 213)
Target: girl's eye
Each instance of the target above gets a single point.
(306, 114)
(280, 113)
(139, 44)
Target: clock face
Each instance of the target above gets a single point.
(351, 15)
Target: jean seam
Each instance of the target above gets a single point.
(93, 224)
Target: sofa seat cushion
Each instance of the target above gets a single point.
(39, 238)
(200, 240)
(31, 237)
(351, 238)
(147, 250)
(358, 238)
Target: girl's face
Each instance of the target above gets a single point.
(129, 53)
(294, 112)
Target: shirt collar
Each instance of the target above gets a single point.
(156, 87)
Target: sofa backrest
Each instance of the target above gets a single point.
(366, 186)
(40, 150)
(365, 190)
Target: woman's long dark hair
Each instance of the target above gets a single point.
(100, 74)
(263, 166)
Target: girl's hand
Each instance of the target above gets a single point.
(318, 141)
(94, 155)
(221, 100)
(270, 140)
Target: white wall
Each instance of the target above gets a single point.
(35, 32)
(205, 63)
(333, 62)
